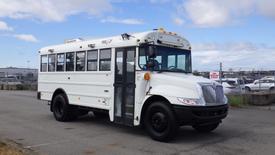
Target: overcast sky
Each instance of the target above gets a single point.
(239, 33)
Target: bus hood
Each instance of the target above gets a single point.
(178, 84)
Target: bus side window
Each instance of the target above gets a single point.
(92, 60)
(70, 61)
(51, 63)
(105, 60)
(60, 62)
(80, 61)
(44, 63)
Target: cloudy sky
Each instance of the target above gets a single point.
(239, 33)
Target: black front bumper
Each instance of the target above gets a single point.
(191, 115)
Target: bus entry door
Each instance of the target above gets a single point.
(124, 86)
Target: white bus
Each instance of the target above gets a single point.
(139, 79)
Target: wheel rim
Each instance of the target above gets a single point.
(159, 121)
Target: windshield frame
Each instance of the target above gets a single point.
(188, 59)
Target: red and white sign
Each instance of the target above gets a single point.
(214, 75)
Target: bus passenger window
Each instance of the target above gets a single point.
(70, 61)
(80, 61)
(105, 60)
(51, 62)
(60, 66)
(92, 60)
(44, 63)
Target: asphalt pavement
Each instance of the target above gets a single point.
(30, 123)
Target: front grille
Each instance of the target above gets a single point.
(210, 113)
(213, 94)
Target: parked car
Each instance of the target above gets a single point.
(261, 85)
(232, 85)
(268, 78)
(10, 81)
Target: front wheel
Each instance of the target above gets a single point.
(160, 122)
(206, 128)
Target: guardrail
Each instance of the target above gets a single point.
(18, 87)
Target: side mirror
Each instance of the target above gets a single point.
(152, 52)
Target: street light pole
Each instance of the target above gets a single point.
(220, 72)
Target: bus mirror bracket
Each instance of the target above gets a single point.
(151, 52)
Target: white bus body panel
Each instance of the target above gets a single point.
(95, 89)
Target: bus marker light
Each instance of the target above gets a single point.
(147, 76)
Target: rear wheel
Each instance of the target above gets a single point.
(206, 128)
(160, 122)
(62, 111)
(272, 90)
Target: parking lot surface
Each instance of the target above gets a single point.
(29, 122)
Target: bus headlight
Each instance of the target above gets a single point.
(188, 101)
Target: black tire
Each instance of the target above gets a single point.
(62, 111)
(206, 128)
(160, 122)
(247, 89)
(272, 90)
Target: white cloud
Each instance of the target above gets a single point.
(206, 13)
(52, 10)
(266, 7)
(215, 13)
(4, 26)
(26, 37)
(243, 55)
(178, 21)
(128, 21)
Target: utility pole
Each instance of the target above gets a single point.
(220, 72)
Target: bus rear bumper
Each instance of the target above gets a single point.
(192, 115)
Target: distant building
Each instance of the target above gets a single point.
(24, 75)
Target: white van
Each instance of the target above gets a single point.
(138, 79)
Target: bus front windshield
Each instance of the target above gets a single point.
(166, 59)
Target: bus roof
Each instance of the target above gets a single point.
(158, 37)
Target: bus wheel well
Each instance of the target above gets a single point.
(150, 100)
(57, 92)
